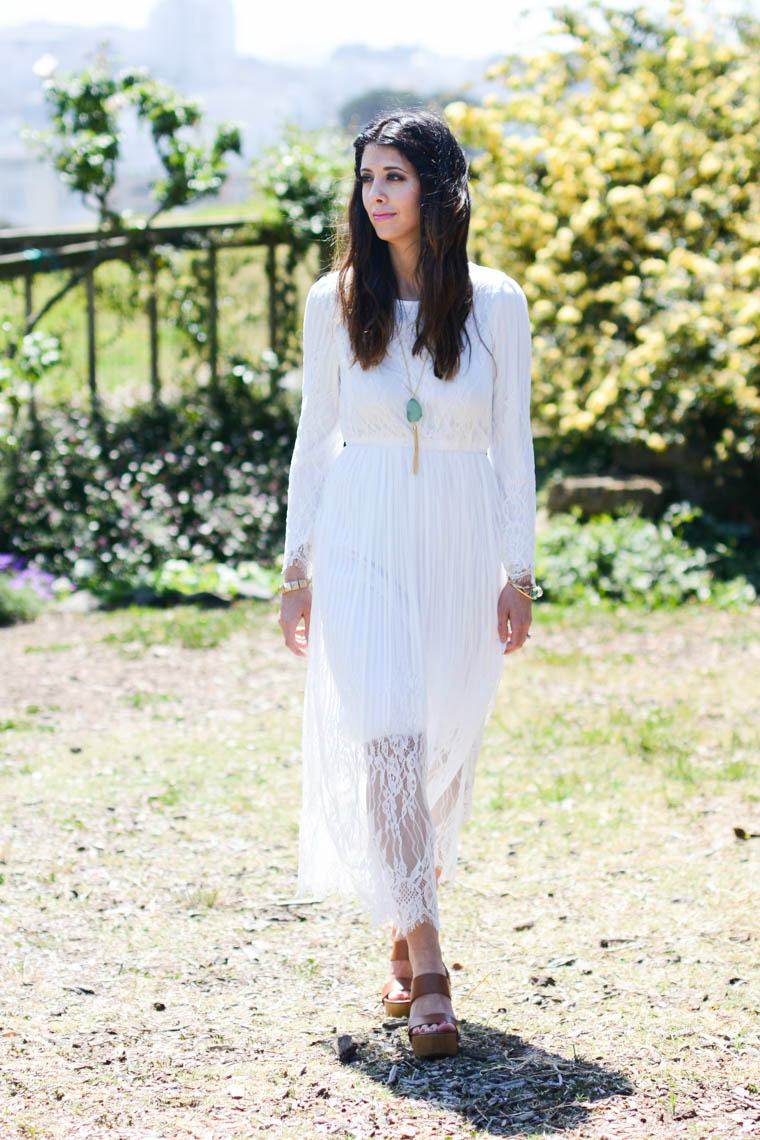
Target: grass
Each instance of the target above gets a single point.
(183, 626)
(159, 979)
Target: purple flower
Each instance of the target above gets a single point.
(11, 562)
(20, 575)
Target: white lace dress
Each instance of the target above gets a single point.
(404, 657)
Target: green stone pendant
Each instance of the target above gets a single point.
(413, 410)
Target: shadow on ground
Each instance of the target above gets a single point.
(498, 1083)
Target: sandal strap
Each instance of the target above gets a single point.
(429, 1019)
(390, 984)
(430, 984)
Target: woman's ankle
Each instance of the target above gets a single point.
(425, 950)
(399, 949)
(428, 964)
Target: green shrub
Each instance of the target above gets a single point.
(18, 603)
(630, 559)
(204, 479)
(25, 589)
(617, 180)
(177, 576)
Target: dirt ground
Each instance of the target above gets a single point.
(159, 979)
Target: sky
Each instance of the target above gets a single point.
(299, 31)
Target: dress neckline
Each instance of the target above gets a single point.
(403, 301)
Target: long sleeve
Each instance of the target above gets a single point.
(511, 450)
(318, 438)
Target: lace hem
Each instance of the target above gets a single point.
(402, 827)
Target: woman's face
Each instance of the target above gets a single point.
(391, 194)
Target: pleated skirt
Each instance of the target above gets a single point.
(404, 661)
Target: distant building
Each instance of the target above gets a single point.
(191, 45)
(191, 42)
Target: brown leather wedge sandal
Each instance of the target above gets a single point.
(434, 1043)
(398, 1007)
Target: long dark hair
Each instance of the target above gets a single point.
(366, 281)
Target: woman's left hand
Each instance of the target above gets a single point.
(515, 615)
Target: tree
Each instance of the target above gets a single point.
(359, 110)
(84, 144)
(619, 182)
(305, 180)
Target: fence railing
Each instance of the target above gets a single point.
(32, 253)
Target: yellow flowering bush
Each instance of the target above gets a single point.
(619, 183)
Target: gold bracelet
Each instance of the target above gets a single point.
(293, 584)
(532, 592)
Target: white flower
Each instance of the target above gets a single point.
(45, 66)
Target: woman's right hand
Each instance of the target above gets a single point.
(295, 605)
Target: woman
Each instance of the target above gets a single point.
(409, 544)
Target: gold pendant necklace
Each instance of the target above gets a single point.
(413, 406)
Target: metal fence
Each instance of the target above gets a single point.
(31, 253)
